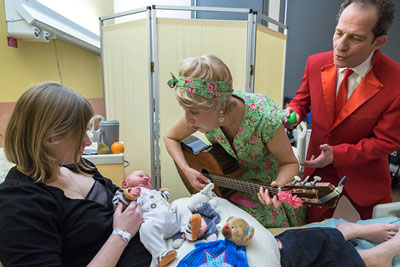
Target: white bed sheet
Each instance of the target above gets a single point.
(262, 250)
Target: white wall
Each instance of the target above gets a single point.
(274, 10)
(124, 5)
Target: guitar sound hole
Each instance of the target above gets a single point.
(205, 173)
(224, 192)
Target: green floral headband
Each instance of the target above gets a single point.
(216, 90)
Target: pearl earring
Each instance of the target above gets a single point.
(221, 116)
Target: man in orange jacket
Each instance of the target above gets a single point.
(355, 140)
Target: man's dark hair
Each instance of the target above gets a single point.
(385, 13)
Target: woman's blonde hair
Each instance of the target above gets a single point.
(46, 111)
(207, 67)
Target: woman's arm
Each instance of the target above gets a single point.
(280, 147)
(178, 131)
(128, 220)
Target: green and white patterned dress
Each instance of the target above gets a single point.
(261, 120)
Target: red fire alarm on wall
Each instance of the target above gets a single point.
(12, 42)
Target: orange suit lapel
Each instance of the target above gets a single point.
(368, 87)
(328, 79)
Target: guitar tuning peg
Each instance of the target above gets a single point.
(316, 179)
(296, 180)
(305, 180)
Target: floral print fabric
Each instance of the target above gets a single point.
(216, 90)
(261, 120)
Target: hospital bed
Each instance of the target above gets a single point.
(256, 253)
(261, 249)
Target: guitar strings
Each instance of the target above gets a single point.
(252, 187)
(241, 185)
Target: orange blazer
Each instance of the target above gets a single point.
(365, 131)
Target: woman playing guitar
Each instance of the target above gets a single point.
(248, 127)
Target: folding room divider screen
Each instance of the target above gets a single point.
(270, 63)
(138, 57)
(126, 75)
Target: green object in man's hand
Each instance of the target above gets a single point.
(292, 118)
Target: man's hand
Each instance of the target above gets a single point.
(323, 160)
(287, 125)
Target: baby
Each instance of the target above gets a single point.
(159, 219)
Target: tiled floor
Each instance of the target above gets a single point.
(346, 211)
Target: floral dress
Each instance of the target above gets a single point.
(261, 120)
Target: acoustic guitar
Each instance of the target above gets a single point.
(224, 171)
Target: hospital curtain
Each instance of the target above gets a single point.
(126, 81)
(270, 60)
(182, 38)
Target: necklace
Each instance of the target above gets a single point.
(80, 192)
(66, 181)
(234, 119)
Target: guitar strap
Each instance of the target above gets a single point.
(241, 200)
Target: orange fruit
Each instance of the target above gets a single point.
(117, 148)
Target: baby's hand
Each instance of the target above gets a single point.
(135, 191)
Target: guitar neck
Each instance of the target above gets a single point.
(221, 168)
(251, 187)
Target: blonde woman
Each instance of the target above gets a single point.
(56, 209)
(248, 126)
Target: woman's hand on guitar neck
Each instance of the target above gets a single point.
(265, 199)
(196, 179)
